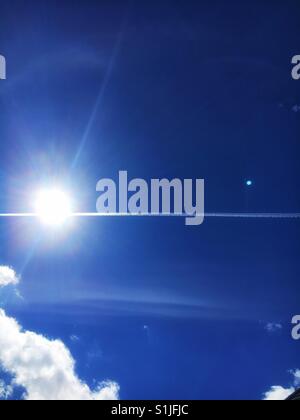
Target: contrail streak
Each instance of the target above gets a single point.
(255, 215)
(208, 215)
(20, 215)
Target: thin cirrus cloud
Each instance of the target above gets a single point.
(279, 393)
(273, 327)
(45, 369)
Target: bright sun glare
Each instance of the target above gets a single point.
(53, 207)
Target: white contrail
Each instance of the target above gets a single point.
(256, 215)
(209, 215)
(18, 215)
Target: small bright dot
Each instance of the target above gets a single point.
(249, 183)
(53, 207)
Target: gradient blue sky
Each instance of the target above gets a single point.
(161, 89)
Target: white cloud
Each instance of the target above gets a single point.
(296, 374)
(44, 368)
(296, 108)
(279, 393)
(74, 338)
(8, 276)
(273, 327)
(5, 390)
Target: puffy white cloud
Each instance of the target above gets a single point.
(8, 276)
(44, 368)
(279, 393)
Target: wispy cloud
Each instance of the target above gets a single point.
(296, 108)
(273, 327)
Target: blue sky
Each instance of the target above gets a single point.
(160, 89)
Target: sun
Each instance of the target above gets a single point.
(53, 206)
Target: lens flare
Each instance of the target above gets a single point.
(53, 207)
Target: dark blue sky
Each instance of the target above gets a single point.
(161, 89)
